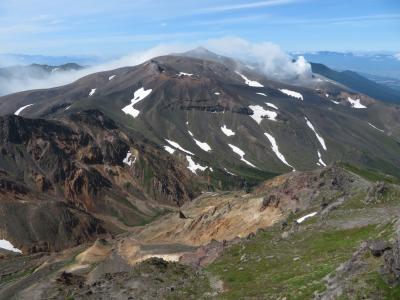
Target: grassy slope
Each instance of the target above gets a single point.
(271, 267)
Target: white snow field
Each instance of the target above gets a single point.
(169, 149)
(177, 146)
(249, 82)
(4, 244)
(275, 148)
(320, 139)
(271, 105)
(355, 103)
(259, 113)
(138, 96)
(241, 153)
(292, 94)
(193, 167)
(185, 74)
(373, 126)
(302, 219)
(320, 161)
(204, 146)
(19, 110)
(129, 159)
(227, 131)
(92, 91)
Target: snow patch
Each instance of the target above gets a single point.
(19, 110)
(262, 94)
(320, 161)
(275, 148)
(111, 77)
(193, 167)
(227, 131)
(177, 146)
(259, 113)
(336, 102)
(138, 96)
(217, 93)
(92, 92)
(302, 219)
(355, 103)
(373, 126)
(248, 81)
(4, 244)
(129, 159)
(320, 139)
(271, 105)
(241, 153)
(230, 173)
(169, 149)
(185, 74)
(204, 146)
(68, 107)
(292, 94)
(173, 257)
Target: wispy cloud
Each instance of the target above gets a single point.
(33, 25)
(223, 21)
(344, 20)
(248, 5)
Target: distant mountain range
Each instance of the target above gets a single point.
(17, 78)
(359, 83)
(378, 64)
(35, 71)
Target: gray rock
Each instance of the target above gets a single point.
(378, 247)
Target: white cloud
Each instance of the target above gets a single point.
(272, 59)
(31, 81)
(397, 56)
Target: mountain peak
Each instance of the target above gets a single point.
(202, 53)
(201, 49)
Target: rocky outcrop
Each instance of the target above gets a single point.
(391, 266)
(74, 168)
(39, 225)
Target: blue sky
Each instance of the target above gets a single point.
(116, 27)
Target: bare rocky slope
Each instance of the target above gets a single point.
(327, 233)
(85, 171)
(227, 116)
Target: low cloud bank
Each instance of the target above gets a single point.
(270, 58)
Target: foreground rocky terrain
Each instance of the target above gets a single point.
(322, 234)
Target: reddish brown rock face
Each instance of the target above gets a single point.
(74, 169)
